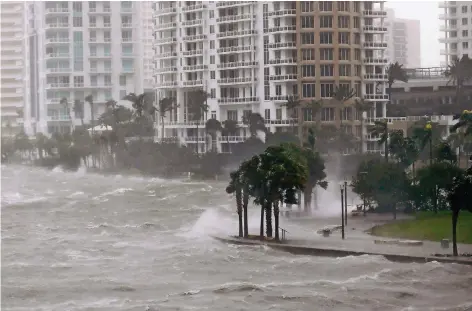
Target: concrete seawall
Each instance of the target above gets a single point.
(336, 252)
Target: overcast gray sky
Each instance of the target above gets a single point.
(427, 13)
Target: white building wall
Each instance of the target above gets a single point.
(456, 26)
(13, 70)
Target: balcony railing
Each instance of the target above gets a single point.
(236, 33)
(193, 83)
(195, 67)
(237, 100)
(374, 13)
(58, 25)
(58, 55)
(127, 25)
(282, 45)
(57, 10)
(283, 77)
(194, 7)
(234, 18)
(236, 80)
(191, 23)
(283, 28)
(235, 49)
(375, 76)
(194, 52)
(283, 61)
(237, 64)
(195, 37)
(375, 45)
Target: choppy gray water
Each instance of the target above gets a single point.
(81, 241)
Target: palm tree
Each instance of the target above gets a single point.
(235, 186)
(229, 127)
(459, 72)
(142, 103)
(255, 122)
(380, 129)
(315, 107)
(89, 99)
(166, 104)
(213, 126)
(65, 103)
(464, 123)
(362, 106)
(395, 72)
(78, 109)
(40, 143)
(341, 95)
(197, 108)
(293, 106)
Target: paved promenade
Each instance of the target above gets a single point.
(303, 238)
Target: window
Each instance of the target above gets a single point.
(307, 6)
(327, 89)
(106, 36)
(465, 33)
(308, 90)
(344, 54)
(308, 70)
(212, 75)
(327, 70)
(308, 22)
(267, 114)
(77, 6)
(107, 79)
(92, 21)
(345, 70)
(126, 35)
(122, 80)
(212, 14)
(308, 54)
(326, 22)
(213, 93)
(343, 6)
(327, 114)
(92, 6)
(277, 22)
(343, 22)
(464, 21)
(278, 90)
(357, 54)
(122, 94)
(464, 9)
(346, 115)
(266, 92)
(278, 71)
(325, 5)
(343, 37)
(356, 22)
(278, 113)
(106, 21)
(78, 81)
(127, 50)
(326, 54)
(107, 65)
(212, 29)
(93, 80)
(465, 45)
(107, 96)
(106, 50)
(93, 50)
(106, 6)
(213, 114)
(127, 65)
(212, 44)
(93, 36)
(212, 59)
(308, 38)
(326, 38)
(77, 21)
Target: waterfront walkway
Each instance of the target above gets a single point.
(303, 238)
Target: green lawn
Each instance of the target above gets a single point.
(429, 226)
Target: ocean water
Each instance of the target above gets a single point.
(83, 241)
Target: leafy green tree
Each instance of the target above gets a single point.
(395, 72)
(64, 102)
(380, 129)
(459, 72)
(293, 106)
(362, 106)
(444, 152)
(464, 123)
(22, 143)
(197, 108)
(166, 104)
(255, 122)
(341, 95)
(460, 199)
(229, 128)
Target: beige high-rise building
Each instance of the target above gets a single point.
(404, 40)
(13, 67)
(251, 55)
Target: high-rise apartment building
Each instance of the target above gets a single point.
(250, 56)
(80, 48)
(13, 69)
(457, 28)
(146, 26)
(403, 40)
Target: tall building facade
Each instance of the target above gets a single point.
(251, 55)
(146, 26)
(457, 28)
(403, 40)
(13, 68)
(77, 49)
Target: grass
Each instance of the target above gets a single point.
(429, 226)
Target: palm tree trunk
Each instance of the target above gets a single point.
(276, 219)
(261, 234)
(245, 202)
(198, 151)
(455, 217)
(240, 212)
(362, 133)
(269, 219)
(162, 129)
(308, 197)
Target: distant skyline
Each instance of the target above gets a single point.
(427, 13)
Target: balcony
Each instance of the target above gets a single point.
(448, 16)
(194, 7)
(57, 10)
(280, 45)
(166, 55)
(375, 45)
(95, 55)
(195, 22)
(237, 65)
(167, 84)
(375, 61)
(195, 68)
(231, 139)
(376, 97)
(57, 40)
(57, 85)
(237, 80)
(192, 53)
(125, 9)
(58, 25)
(166, 70)
(168, 40)
(194, 38)
(166, 26)
(448, 27)
(283, 61)
(286, 77)
(237, 33)
(376, 76)
(57, 55)
(235, 49)
(291, 28)
(127, 40)
(374, 29)
(223, 4)
(238, 100)
(374, 13)
(235, 18)
(193, 83)
(287, 12)
(127, 25)
(58, 70)
(164, 11)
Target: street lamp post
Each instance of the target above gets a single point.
(345, 202)
(363, 174)
(429, 128)
(342, 211)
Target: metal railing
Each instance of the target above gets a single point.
(283, 233)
